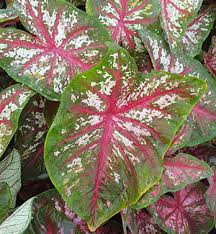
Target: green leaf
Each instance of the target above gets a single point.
(112, 129)
(5, 201)
(8, 14)
(202, 121)
(10, 173)
(178, 172)
(12, 102)
(65, 41)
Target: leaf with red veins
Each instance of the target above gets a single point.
(202, 120)
(175, 16)
(30, 138)
(124, 18)
(105, 146)
(197, 32)
(67, 41)
(186, 212)
(139, 221)
(12, 102)
(210, 194)
(210, 57)
(178, 172)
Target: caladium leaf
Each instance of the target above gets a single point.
(210, 195)
(210, 57)
(186, 212)
(123, 19)
(12, 102)
(77, 2)
(8, 14)
(178, 172)
(175, 16)
(5, 201)
(105, 146)
(19, 220)
(202, 120)
(30, 136)
(67, 42)
(138, 222)
(197, 31)
(10, 173)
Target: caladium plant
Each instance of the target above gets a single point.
(91, 134)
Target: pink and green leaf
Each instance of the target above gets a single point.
(12, 102)
(175, 16)
(202, 120)
(186, 212)
(65, 41)
(105, 146)
(178, 172)
(29, 140)
(124, 18)
(197, 32)
(210, 57)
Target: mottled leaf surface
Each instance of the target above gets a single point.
(178, 172)
(139, 222)
(10, 173)
(5, 201)
(19, 220)
(186, 212)
(67, 41)
(12, 102)
(175, 16)
(210, 57)
(197, 31)
(123, 19)
(210, 195)
(202, 120)
(105, 146)
(30, 136)
(8, 14)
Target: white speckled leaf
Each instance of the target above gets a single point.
(185, 212)
(113, 127)
(202, 120)
(124, 18)
(178, 172)
(7, 14)
(19, 220)
(12, 102)
(10, 173)
(175, 16)
(67, 41)
(197, 31)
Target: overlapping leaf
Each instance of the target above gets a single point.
(178, 172)
(10, 173)
(9, 13)
(12, 102)
(104, 149)
(5, 201)
(67, 41)
(186, 212)
(5, 80)
(210, 57)
(197, 31)
(175, 16)
(202, 121)
(123, 19)
(30, 138)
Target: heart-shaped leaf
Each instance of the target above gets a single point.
(210, 57)
(5, 201)
(175, 16)
(186, 212)
(10, 173)
(113, 127)
(67, 41)
(202, 120)
(30, 136)
(123, 19)
(210, 195)
(139, 222)
(197, 31)
(12, 102)
(178, 172)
